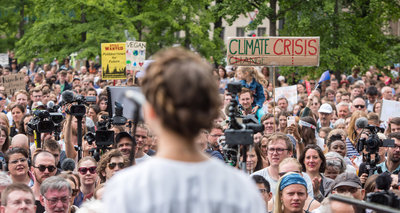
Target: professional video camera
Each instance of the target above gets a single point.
(384, 196)
(371, 145)
(46, 121)
(78, 109)
(241, 128)
(103, 137)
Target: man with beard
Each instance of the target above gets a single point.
(43, 167)
(124, 143)
(392, 162)
(325, 115)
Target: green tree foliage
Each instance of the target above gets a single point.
(62, 28)
(351, 32)
(14, 16)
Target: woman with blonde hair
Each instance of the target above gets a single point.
(353, 133)
(250, 78)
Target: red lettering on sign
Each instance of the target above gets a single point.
(276, 53)
(298, 45)
(312, 46)
(286, 46)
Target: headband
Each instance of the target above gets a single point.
(290, 179)
(306, 124)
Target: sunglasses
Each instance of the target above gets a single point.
(113, 165)
(84, 170)
(43, 168)
(359, 106)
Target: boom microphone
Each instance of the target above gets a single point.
(68, 165)
(67, 96)
(362, 123)
(50, 105)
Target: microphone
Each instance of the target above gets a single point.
(67, 96)
(68, 165)
(50, 105)
(135, 96)
(362, 123)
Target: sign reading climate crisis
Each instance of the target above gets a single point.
(113, 61)
(273, 51)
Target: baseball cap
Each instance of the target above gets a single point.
(347, 179)
(325, 108)
(123, 135)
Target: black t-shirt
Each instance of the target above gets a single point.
(39, 207)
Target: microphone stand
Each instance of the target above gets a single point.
(79, 119)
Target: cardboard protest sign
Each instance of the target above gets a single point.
(113, 61)
(273, 51)
(4, 59)
(290, 93)
(13, 83)
(135, 55)
(390, 109)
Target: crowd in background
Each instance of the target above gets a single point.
(306, 152)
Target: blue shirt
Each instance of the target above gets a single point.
(257, 90)
(385, 169)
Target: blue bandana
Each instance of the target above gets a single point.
(290, 179)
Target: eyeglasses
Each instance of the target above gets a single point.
(22, 160)
(264, 191)
(43, 168)
(113, 165)
(278, 150)
(284, 173)
(84, 170)
(75, 192)
(54, 201)
(359, 106)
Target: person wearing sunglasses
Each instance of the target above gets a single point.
(358, 105)
(43, 167)
(110, 163)
(55, 195)
(88, 177)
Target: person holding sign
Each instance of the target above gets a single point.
(250, 78)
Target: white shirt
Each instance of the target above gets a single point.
(160, 185)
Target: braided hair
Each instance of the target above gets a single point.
(180, 87)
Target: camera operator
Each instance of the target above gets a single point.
(392, 162)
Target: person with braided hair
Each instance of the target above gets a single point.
(182, 99)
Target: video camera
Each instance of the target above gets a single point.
(77, 109)
(238, 132)
(371, 144)
(384, 196)
(103, 136)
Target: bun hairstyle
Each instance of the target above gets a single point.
(180, 87)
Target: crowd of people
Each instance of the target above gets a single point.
(175, 162)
